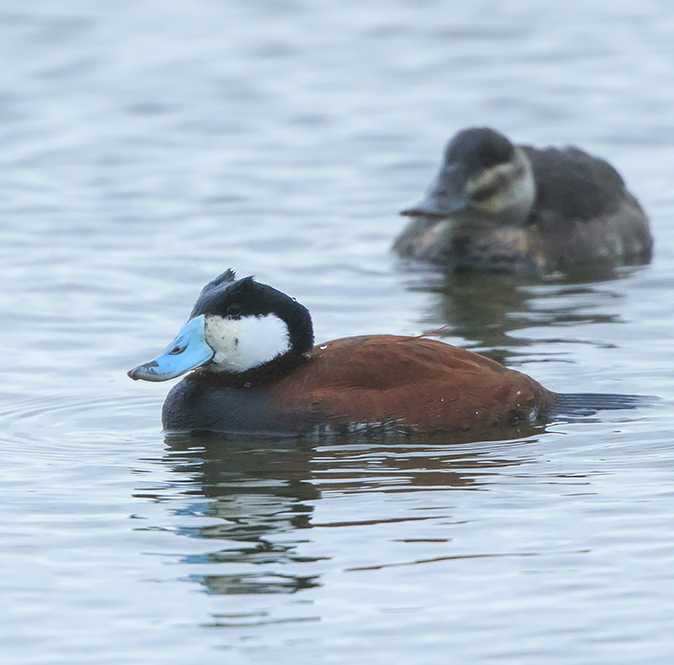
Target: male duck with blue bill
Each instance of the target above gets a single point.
(248, 352)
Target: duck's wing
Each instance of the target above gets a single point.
(574, 184)
(419, 383)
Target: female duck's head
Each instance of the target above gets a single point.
(483, 174)
(235, 326)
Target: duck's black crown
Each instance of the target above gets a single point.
(479, 148)
(234, 298)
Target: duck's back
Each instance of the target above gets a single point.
(574, 184)
(583, 213)
(409, 382)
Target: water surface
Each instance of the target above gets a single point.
(149, 145)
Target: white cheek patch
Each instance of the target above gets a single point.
(513, 187)
(245, 343)
(496, 178)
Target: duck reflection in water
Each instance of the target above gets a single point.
(483, 310)
(259, 494)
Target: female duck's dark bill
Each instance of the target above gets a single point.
(187, 351)
(446, 195)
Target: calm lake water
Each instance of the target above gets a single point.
(149, 145)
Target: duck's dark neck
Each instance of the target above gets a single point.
(264, 374)
(300, 328)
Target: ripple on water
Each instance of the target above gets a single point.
(61, 422)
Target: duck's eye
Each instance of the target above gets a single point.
(176, 350)
(233, 310)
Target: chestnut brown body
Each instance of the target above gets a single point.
(396, 383)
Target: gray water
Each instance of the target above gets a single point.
(149, 145)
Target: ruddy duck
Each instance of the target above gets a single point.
(496, 206)
(253, 368)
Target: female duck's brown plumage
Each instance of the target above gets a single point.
(255, 370)
(496, 206)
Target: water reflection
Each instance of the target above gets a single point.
(259, 496)
(255, 489)
(485, 309)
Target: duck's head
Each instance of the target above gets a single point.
(236, 325)
(483, 176)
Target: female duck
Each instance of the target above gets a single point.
(496, 206)
(255, 369)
